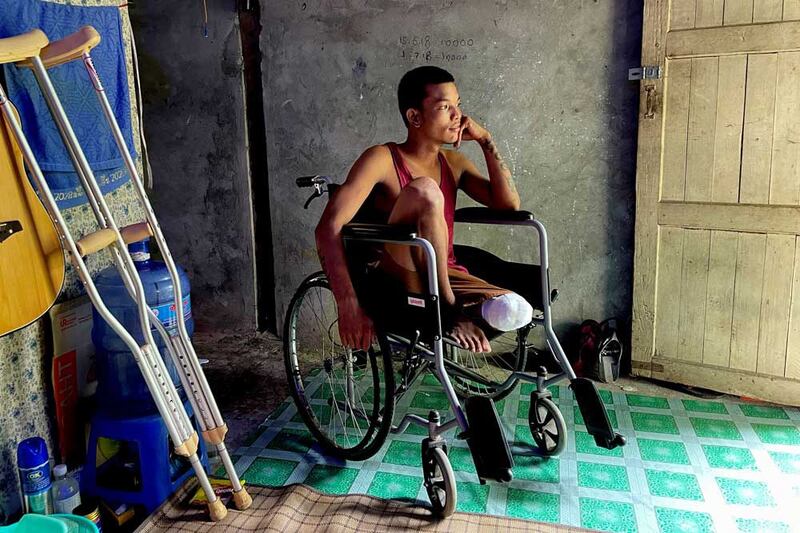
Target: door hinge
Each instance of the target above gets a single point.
(644, 73)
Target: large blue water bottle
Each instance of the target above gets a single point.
(34, 475)
(120, 385)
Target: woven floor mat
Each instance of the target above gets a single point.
(300, 508)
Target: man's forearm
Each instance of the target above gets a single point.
(330, 249)
(504, 193)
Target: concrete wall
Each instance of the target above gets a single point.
(549, 79)
(194, 118)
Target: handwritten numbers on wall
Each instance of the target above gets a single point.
(430, 49)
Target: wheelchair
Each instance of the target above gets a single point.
(347, 397)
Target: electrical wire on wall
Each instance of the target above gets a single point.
(148, 171)
(205, 18)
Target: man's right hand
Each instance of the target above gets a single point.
(355, 327)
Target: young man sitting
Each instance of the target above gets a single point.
(415, 183)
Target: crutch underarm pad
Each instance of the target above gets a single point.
(70, 47)
(485, 215)
(19, 47)
(381, 232)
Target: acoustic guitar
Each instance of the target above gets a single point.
(31, 257)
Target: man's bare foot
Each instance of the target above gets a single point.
(469, 335)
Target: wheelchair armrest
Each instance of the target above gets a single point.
(379, 232)
(485, 215)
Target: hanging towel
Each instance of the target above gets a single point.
(76, 94)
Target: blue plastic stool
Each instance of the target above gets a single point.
(139, 469)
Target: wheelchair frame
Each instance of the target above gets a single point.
(483, 447)
(384, 233)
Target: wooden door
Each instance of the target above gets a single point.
(717, 260)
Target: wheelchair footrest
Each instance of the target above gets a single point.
(594, 414)
(487, 441)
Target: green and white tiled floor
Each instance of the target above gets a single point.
(689, 465)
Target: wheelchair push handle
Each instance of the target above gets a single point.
(313, 181)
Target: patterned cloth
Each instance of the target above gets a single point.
(77, 96)
(299, 508)
(25, 355)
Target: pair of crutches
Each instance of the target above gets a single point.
(33, 50)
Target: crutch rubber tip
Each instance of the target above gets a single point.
(242, 500)
(217, 510)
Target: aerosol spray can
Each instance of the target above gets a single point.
(34, 475)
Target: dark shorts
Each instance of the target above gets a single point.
(469, 290)
(388, 291)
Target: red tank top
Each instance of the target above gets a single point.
(448, 186)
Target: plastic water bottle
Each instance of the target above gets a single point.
(34, 475)
(65, 493)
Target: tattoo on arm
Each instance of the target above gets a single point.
(510, 182)
(491, 147)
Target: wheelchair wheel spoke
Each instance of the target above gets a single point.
(338, 393)
(363, 411)
(355, 422)
(495, 368)
(334, 404)
(321, 320)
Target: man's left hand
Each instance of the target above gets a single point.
(471, 131)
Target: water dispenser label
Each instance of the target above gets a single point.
(167, 315)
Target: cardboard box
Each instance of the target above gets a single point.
(73, 372)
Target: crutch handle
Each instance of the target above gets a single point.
(70, 47)
(136, 232)
(96, 241)
(23, 46)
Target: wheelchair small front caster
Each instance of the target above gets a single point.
(440, 481)
(547, 426)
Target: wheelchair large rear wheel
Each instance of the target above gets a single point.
(488, 374)
(345, 397)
